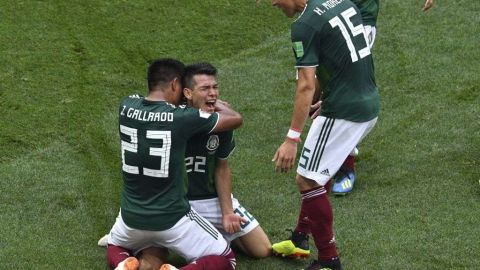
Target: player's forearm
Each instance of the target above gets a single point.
(228, 118)
(223, 184)
(224, 108)
(303, 99)
(428, 4)
(318, 92)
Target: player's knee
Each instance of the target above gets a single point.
(305, 183)
(261, 250)
(152, 258)
(265, 252)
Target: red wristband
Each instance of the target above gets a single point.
(295, 140)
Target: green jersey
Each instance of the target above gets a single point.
(368, 10)
(153, 137)
(329, 35)
(201, 156)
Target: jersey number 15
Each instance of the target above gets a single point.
(354, 31)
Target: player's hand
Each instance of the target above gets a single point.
(428, 4)
(315, 109)
(231, 223)
(285, 156)
(221, 105)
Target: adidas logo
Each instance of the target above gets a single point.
(325, 172)
(332, 241)
(347, 184)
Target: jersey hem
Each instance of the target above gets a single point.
(229, 154)
(306, 66)
(200, 198)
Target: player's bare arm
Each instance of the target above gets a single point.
(428, 4)
(223, 183)
(285, 156)
(228, 118)
(316, 101)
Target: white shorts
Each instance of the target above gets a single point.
(191, 237)
(329, 142)
(211, 211)
(370, 33)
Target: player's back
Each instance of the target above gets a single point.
(331, 36)
(153, 136)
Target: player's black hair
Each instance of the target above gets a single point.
(164, 70)
(202, 68)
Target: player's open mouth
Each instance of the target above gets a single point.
(210, 104)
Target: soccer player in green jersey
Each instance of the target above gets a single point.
(209, 175)
(331, 50)
(345, 178)
(154, 132)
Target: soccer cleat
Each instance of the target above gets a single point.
(167, 266)
(103, 242)
(130, 263)
(344, 181)
(325, 265)
(295, 247)
(354, 153)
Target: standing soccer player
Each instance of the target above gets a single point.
(154, 209)
(330, 48)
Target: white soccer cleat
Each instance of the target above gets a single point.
(103, 242)
(130, 263)
(167, 266)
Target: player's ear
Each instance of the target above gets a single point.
(187, 93)
(176, 85)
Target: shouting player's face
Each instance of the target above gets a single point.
(204, 94)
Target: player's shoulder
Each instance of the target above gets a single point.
(315, 14)
(194, 113)
(136, 96)
(365, 2)
(131, 99)
(186, 111)
(359, 2)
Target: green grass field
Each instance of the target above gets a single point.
(66, 65)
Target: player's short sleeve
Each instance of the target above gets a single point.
(304, 45)
(195, 121)
(227, 145)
